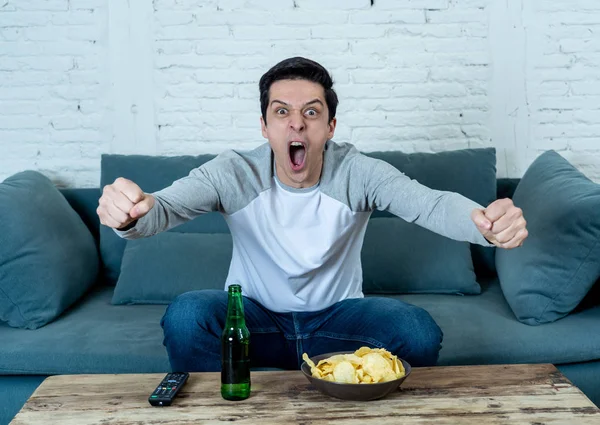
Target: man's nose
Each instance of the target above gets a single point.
(296, 121)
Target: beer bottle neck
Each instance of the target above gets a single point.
(235, 310)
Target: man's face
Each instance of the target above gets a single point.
(297, 128)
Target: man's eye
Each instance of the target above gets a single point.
(280, 111)
(311, 112)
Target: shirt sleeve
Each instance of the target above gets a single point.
(184, 200)
(446, 213)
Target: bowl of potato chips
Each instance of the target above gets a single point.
(364, 374)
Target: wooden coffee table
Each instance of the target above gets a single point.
(510, 394)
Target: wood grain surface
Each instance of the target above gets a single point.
(498, 394)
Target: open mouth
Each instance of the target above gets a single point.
(297, 152)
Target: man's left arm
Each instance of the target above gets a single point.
(447, 213)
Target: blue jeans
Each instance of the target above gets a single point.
(192, 327)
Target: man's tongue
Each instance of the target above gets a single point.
(297, 154)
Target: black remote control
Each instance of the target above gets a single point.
(167, 390)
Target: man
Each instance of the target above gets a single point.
(297, 208)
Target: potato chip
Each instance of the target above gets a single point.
(376, 366)
(367, 380)
(360, 374)
(363, 350)
(315, 371)
(344, 372)
(364, 366)
(308, 361)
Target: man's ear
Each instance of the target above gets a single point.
(332, 125)
(263, 127)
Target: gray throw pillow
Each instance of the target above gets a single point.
(48, 258)
(151, 173)
(559, 262)
(400, 257)
(470, 172)
(157, 269)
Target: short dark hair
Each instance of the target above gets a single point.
(298, 68)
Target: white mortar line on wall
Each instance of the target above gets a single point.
(131, 63)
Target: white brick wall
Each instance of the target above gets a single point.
(52, 88)
(564, 82)
(82, 77)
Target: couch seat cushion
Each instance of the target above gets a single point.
(98, 337)
(93, 337)
(482, 329)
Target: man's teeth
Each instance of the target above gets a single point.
(296, 144)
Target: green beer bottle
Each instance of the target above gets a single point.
(235, 349)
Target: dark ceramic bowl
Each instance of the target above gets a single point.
(359, 392)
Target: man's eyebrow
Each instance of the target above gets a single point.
(306, 104)
(314, 101)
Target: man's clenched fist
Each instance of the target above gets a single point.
(501, 223)
(122, 203)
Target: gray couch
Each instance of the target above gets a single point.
(95, 336)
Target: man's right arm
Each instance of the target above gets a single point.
(134, 214)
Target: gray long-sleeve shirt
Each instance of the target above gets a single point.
(299, 249)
